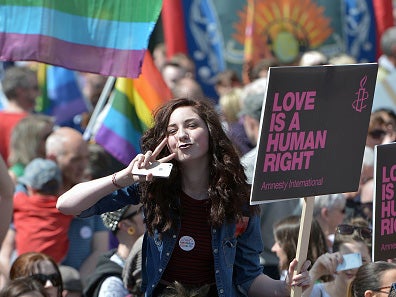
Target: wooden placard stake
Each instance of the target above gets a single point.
(303, 239)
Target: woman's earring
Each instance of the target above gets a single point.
(131, 231)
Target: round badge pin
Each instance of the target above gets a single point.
(186, 243)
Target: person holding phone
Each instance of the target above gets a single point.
(330, 264)
(192, 216)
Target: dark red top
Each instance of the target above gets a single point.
(191, 262)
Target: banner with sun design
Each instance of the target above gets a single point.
(285, 28)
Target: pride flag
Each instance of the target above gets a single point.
(61, 95)
(105, 37)
(129, 111)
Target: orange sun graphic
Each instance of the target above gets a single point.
(284, 28)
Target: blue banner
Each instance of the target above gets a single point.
(360, 30)
(204, 42)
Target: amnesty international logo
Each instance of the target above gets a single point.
(284, 28)
(362, 95)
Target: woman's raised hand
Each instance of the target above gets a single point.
(146, 159)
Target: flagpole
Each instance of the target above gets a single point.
(248, 44)
(99, 106)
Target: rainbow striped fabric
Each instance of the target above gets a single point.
(105, 37)
(129, 112)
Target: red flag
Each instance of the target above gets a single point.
(383, 10)
(173, 24)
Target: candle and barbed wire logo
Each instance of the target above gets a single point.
(359, 104)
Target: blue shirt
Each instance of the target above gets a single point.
(81, 232)
(236, 260)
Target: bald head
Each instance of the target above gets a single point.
(69, 150)
(63, 140)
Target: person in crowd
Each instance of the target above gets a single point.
(389, 117)
(377, 130)
(342, 59)
(313, 58)
(355, 206)
(172, 72)
(132, 272)
(380, 131)
(92, 87)
(230, 107)
(329, 211)
(187, 86)
(286, 239)
(127, 225)
(326, 265)
(72, 285)
(273, 211)
(88, 237)
(357, 228)
(39, 226)
(100, 164)
(374, 279)
(185, 62)
(191, 216)
(68, 149)
(6, 199)
(24, 287)
(387, 61)
(159, 55)
(366, 201)
(261, 68)
(28, 142)
(6, 209)
(20, 86)
(251, 113)
(226, 81)
(257, 86)
(40, 267)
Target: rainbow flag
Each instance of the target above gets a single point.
(105, 37)
(129, 111)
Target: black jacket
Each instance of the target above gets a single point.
(104, 269)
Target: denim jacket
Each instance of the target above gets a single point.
(236, 260)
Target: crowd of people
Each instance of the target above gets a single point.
(75, 222)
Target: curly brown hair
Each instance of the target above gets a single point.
(228, 190)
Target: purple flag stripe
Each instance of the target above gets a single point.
(67, 110)
(120, 63)
(115, 145)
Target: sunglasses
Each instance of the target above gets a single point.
(377, 133)
(392, 291)
(345, 229)
(55, 279)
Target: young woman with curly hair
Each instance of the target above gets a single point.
(192, 216)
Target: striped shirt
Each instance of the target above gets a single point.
(191, 262)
